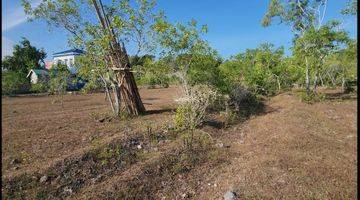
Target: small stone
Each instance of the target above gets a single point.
(16, 168)
(230, 196)
(155, 149)
(96, 179)
(185, 195)
(139, 146)
(68, 189)
(220, 145)
(43, 179)
(15, 161)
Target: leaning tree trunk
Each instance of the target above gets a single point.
(118, 61)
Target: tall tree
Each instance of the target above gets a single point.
(301, 16)
(105, 36)
(25, 57)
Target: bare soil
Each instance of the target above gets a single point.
(292, 150)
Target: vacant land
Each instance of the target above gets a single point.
(292, 150)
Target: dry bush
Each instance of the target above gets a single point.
(192, 109)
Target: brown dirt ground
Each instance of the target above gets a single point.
(43, 132)
(291, 151)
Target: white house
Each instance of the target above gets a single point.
(68, 57)
(38, 75)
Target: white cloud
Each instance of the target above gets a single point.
(15, 16)
(6, 47)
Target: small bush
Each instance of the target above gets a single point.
(312, 97)
(39, 87)
(192, 109)
(14, 83)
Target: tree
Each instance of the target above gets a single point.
(59, 79)
(319, 44)
(104, 39)
(25, 57)
(260, 70)
(182, 45)
(351, 8)
(301, 16)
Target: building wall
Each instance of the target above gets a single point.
(68, 60)
(34, 78)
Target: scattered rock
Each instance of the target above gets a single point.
(185, 195)
(44, 178)
(68, 190)
(139, 146)
(230, 195)
(16, 168)
(15, 161)
(220, 145)
(155, 149)
(96, 179)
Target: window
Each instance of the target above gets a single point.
(71, 62)
(65, 61)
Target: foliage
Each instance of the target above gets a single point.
(154, 73)
(39, 87)
(351, 8)
(25, 57)
(312, 98)
(59, 80)
(14, 82)
(262, 70)
(192, 109)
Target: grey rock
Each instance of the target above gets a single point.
(220, 145)
(68, 189)
(43, 179)
(230, 195)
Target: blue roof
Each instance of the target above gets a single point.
(69, 52)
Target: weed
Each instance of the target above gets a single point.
(312, 97)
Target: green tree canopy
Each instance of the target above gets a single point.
(24, 58)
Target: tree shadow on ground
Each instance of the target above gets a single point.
(246, 109)
(340, 96)
(159, 111)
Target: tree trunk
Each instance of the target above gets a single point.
(343, 84)
(119, 63)
(315, 82)
(322, 82)
(307, 80)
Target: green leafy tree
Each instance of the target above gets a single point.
(25, 57)
(301, 16)
(351, 8)
(260, 70)
(317, 44)
(59, 80)
(185, 50)
(104, 36)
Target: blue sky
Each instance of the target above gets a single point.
(234, 25)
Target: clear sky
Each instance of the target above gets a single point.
(234, 25)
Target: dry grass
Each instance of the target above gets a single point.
(291, 151)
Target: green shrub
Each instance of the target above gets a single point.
(14, 83)
(39, 87)
(312, 97)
